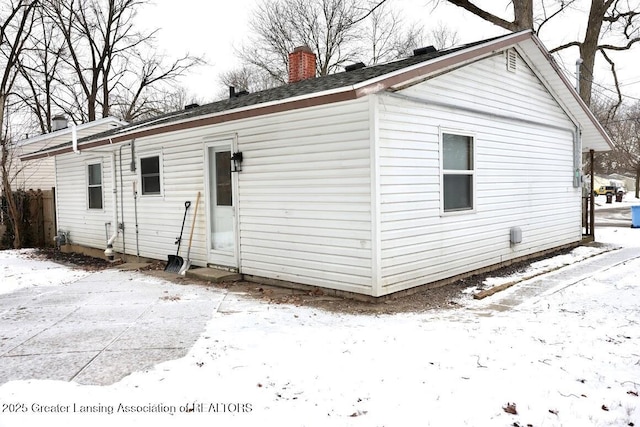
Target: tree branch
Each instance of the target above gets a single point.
(496, 20)
(563, 6)
(625, 47)
(565, 46)
(614, 109)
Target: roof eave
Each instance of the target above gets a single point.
(67, 130)
(320, 98)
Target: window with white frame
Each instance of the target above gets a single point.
(94, 185)
(457, 172)
(150, 177)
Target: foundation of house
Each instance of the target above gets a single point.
(214, 275)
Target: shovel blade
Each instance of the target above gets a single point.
(174, 264)
(185, 267)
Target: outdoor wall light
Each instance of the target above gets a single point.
(237, 161)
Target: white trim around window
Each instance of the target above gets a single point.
(457, 172)
(150, 174)
(94, 185)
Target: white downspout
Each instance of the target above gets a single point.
(109, 251)
(74, 139)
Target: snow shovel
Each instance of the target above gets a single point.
(187, 264)
(174, 264)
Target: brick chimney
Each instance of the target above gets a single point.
(302, 64)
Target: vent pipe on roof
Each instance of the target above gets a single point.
(191, 106)
(234, 94)
(59, 122)
(578, 64)
(353, 67)
(424, 50)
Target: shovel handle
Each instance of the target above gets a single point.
(187, 204)
(193, 224)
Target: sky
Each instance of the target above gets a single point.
(214, 30)
(566, 355)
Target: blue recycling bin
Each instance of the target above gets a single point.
(635, 216)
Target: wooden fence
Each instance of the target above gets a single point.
(38, 222)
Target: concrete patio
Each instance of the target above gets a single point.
(100, 328)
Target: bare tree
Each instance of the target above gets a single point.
(384, 37)
(612, 25)
(132, 94)
(15, 28)
(443, 37)
(104, 63)
(93, 35)
(39, 68)
(248, 78)
(339, 32)
(331, 28)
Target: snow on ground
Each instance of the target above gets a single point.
(546, 265)
(622, 236)
(571, 358)
(23, 271)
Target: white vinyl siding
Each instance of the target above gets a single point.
(523, 174)
(305, 207)
(304, 196)
(33, 174)
(87, 226)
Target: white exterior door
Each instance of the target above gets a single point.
(221, 204)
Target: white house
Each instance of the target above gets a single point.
(40, 173)
(372, 181)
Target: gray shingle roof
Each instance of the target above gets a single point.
(291, 90)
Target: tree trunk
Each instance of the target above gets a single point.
(523, 14)
(589, 48)
(91, 107)
(8, 193)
